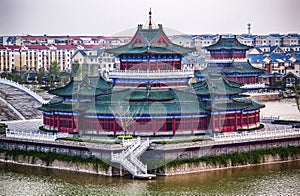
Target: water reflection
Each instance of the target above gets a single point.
(274, 179)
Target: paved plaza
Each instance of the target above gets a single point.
(25, 125)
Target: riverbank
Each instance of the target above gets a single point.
(230, 161)
(181, 170)
(56, 161)
(168, 168)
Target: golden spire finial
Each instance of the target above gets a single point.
(150, 20)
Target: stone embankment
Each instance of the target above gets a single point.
(56, 164)
(90, 158)
(203, 166)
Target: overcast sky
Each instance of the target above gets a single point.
(110, 17)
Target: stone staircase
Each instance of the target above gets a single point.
(128, 158)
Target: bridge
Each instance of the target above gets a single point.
(18, 102)
(23, 88)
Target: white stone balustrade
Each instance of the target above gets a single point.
(254, 86)
(255, 135)
(152, 73)
(23, 88)
(30, 135)
(229, 60)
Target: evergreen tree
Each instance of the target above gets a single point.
(51, 80)
(54, 69)
(75, 68)
(41, 74)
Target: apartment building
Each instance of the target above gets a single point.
(34, 57)
(96, 60)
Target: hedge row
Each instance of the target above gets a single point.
(179, 141)
(88, 140)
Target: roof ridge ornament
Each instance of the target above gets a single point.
(150, 19)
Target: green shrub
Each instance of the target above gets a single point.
(237, 158)
(88, 140)
(2, 125)
(73, 133)
(124, 137)
(49, 157)
(179, 141)
(253, 129)
(41, 128)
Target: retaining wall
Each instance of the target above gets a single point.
(156, 153)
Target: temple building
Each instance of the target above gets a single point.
(228, 56)
(151, 94)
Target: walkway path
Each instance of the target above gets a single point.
(25, 125)
(12, 108)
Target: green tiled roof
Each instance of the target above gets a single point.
(150, 108)
(227, 44)
(253, 104)
(217, 84)
(89, 86)
(156, 101)
(234, 67)
(151, 95)
(241, 67)
(150, 41)
(67, 106)
(63, 107)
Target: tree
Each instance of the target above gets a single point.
(51, 80)
(54, 69)
(41, 74)
(17, 78)
(3, 75)
(125, 115)
(75, 68)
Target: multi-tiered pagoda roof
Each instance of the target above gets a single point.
(228, 56)
(153, 41)
(227, 43)
(153, 90)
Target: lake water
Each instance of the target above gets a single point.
(273, 179)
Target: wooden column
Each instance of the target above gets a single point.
(212, 120)
(58, 123)
(241, 119)
(115, 126)
(236, 125)
(52, 119)
(72, 124)
(173, 126)
(248, 120)
(219, 122)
